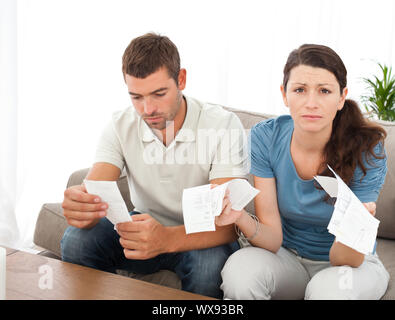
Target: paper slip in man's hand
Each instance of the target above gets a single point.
(351, 222)
(197, 209)
(108, 191)
(202, 204)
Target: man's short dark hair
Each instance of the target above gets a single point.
(148, 53)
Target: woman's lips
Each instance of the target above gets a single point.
(311, 116)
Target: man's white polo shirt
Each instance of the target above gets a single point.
(210, 144)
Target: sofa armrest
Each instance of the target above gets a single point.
(51, 223)
(50, 227)
(77, 177)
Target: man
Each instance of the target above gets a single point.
(166, 142)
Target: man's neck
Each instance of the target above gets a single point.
(169, 133)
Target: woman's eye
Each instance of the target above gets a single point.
(326, 91)
(299, 90)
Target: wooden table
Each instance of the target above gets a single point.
(38, 277)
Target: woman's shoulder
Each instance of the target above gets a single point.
(366, 185)
(376, 159)
(273, 126)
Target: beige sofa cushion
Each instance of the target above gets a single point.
(385, 251)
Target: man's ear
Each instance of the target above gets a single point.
(284, 95)
(182, 79)
(343, 98)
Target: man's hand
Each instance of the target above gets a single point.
(143, 237)
(81, 209)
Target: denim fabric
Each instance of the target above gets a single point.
(99, 248)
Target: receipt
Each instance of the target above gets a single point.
(197, 209)
(200, 205)
(240, 193)
(108, 191)
(351, 222)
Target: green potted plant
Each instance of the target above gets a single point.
(380, 100)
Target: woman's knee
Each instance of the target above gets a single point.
(368, 282)
(333, 283)
(246, 275)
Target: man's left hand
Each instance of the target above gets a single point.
(142, 238)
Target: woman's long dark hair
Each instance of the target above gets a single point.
(352, 134)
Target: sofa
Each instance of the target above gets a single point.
(51, 223)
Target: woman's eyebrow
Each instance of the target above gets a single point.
(319, 85)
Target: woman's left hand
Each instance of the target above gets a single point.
(371, 207)
(228, 215)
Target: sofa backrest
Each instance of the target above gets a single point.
(386, 202)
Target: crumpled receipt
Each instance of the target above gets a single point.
(351, 222)
(201, 204)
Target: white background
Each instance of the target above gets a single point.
(61, 79)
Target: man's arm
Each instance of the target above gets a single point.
(145, 237)
(84, 210)
(103, 171)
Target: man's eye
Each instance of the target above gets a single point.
(160, 94)
(136, 98)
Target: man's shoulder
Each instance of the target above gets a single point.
(124, 118)
(214, 115)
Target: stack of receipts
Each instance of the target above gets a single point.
(200, 205)
(108, 191)
(351, 222)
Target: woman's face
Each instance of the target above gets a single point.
(313, 97)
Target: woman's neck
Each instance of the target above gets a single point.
(310, 142)
(307, 152)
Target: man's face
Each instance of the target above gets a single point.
(157, 98)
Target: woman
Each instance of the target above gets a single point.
(292, 254)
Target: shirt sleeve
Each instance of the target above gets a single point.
(109, 148)
(231, 156)
(260, 140)
(367, 188)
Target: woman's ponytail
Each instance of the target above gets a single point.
(352, 136)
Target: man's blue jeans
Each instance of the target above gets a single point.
(99, 248)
